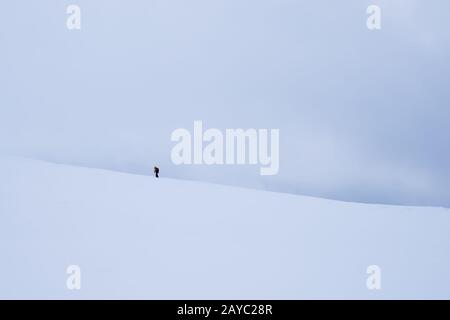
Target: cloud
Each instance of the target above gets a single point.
(363, 116)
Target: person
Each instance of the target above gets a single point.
(156, 171)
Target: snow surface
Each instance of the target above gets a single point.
(136, 236)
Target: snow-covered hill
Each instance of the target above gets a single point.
(138, 237)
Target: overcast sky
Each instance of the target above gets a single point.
(363, 115)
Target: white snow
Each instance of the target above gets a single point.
(141, 237)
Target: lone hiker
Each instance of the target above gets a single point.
(156, 171)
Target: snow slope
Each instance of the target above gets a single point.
(138, 237)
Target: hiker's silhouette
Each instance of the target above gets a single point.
(156, 171)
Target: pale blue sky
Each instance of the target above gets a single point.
(363, 115)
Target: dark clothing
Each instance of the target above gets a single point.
(156, 172)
